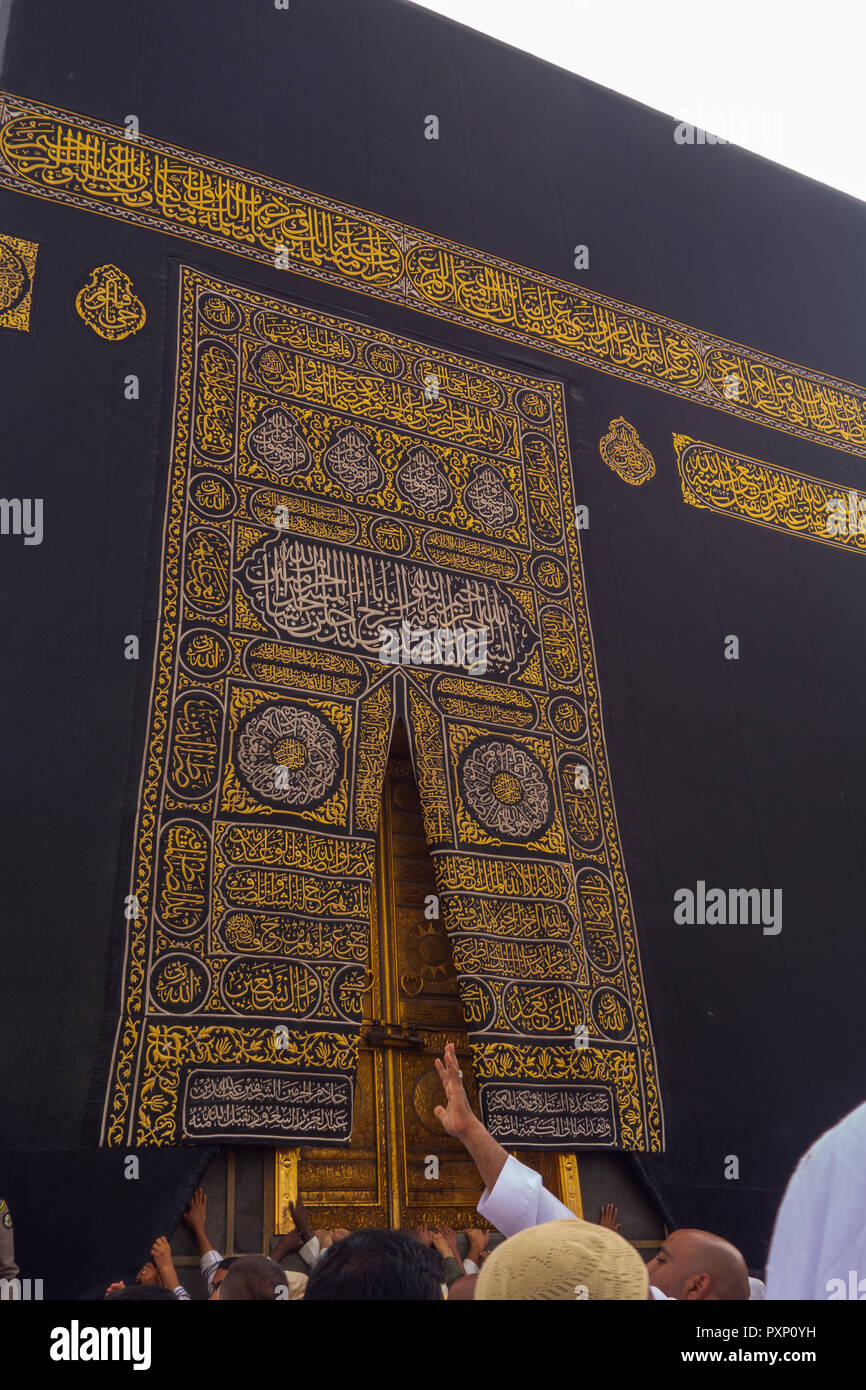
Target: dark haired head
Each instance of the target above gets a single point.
(253, 1277)
(140, 1293)
(372, 1265)
(217, 1278)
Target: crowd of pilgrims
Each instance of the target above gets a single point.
(538, 1249)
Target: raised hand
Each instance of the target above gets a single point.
(301, 1218)
(161, 1256)
(608, 1218)
(478, 1243)
(287, 1245)
(445, 1241)
(196, 1213)
(147, 1274)
(457, 1116)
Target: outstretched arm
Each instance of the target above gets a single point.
(459, 1120)
(310, 1248)
(195, 1217)
(514, 1196)
(287, 1245)
(161, 1257)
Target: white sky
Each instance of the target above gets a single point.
(785, 78)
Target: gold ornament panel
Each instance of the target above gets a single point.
(306, 511)
(621, 450)
(108, 304)
(17, 273)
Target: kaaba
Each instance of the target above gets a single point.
(431, 502)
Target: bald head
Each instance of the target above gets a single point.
(699, 1265)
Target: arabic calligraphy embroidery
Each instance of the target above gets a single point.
(277, 442)
(771, 496)
(17, 271)
(351, 462)
(109, 305)
(421, 480)
(622, 451)
(87, 164)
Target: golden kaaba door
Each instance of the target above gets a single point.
(401, 1167)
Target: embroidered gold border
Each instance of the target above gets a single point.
(767, 495)
(50, 153)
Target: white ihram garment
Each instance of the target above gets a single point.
(818, 1249)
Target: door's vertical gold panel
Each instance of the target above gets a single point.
(350, 1186)
(285, 1188)
(568, 1182)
